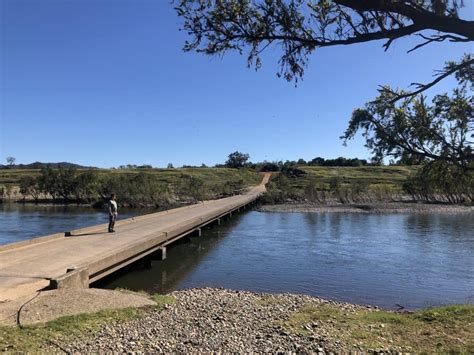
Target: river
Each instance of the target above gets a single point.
(412, 260)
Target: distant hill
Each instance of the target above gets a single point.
(40, 165)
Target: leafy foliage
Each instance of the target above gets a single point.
(443, 131)
(341, 161)
(29, 186)
(134, 188)
(237, 160)
(10, 161)
(299, 27)
(441, 181)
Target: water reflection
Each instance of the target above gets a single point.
(381, 259)
(415, 260)
(182, 259)
(26, 221)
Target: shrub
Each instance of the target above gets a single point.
(136, 190)
(442, 182)
(29, 187)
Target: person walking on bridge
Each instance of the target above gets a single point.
(112, 213)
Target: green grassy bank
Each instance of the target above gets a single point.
(134, 187)
(443, 330)
(342, 184)
(33, 338)
(11, 177)
(393, 176)
(300, 183)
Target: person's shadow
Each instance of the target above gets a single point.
(69, 235)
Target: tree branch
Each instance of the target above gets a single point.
(424, 87)
(420, 16)
(312, 42)
(437, 39)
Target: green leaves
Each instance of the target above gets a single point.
(299, 26)
(441, 131)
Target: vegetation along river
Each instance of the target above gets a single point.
(412, 260)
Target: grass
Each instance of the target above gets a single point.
(372, 175)
(170, 176)
(394, 175)
(162, 300)
(268, 300)
(65, 329)
(143, 187)
(437, 330)
(380, 180)
(35, 337)
(318, 184)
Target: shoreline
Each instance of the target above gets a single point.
(92, 206)
(222, 320)
(293, 207)
(378, 207)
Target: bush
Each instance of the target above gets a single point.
(292, 171)
(315, 192)
(29, 187)
(191, 188)
(383, 192)
(279, 190)
(136, 190)
(335, 184)
(442, 182)
(268, 167)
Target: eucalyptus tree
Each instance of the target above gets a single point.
(237, 160)
(301, 27)
(398, 122)
(442, 130)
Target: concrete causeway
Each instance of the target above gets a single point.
(80, 257)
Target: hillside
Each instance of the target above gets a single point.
(343, 184)
(40, 165)
(136, 187)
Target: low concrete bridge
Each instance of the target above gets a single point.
(80, 257)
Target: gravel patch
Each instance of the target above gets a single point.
(216, 320)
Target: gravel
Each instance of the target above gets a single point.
(215, 320)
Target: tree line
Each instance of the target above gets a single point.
(401, 124)
(434, 181)
(140, 189)
(445, 184)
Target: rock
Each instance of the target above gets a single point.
(216, 320)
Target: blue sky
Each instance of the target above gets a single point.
(105, 83)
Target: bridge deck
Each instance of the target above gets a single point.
(29, 266)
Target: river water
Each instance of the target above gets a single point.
(412, 260)
(25, 221)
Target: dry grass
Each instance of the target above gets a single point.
(437, 330)
(46, 337)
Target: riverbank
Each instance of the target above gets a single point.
(135, 187)
(377, 207)
(208, 320)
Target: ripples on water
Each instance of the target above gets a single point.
(415, 260)
(25, 221)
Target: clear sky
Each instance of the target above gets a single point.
(105, 83)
